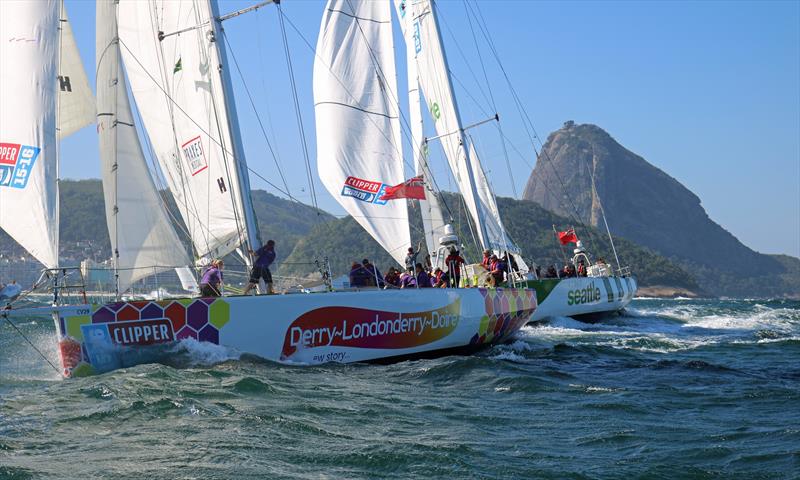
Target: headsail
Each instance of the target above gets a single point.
(177, 83)
(432, 221)
(28, 166)
(357, 118)
(141, 234)
(76, 106)
(434, 79)
(497, 237)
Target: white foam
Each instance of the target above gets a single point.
(205, 353)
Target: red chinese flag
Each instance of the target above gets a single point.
(567, 237)
(411, 188)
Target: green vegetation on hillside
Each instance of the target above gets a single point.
(344, 241)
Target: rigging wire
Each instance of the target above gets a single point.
(482, 26)
(255, 111)
(30, 343)
(494, 105)
(298, 113)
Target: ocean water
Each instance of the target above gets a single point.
(671, 389)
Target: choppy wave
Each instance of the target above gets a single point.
(669, 389)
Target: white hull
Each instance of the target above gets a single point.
(569, 297)
(300, 328)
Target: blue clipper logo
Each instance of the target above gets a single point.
(417, 37)
(16, 163)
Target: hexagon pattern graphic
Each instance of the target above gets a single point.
(506, 311)
(200, 319)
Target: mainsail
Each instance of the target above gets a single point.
(142, 237)
(434, 79)
(76, 107)
(175, 67)
(357, 118)
(29, 47)
(432, 221)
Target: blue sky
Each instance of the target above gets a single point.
(707, 91)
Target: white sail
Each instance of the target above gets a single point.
(496, 236)
(28, 167)
(142, 238)
(76, 106)
(432, 220)
(357, 119)
(176, 82)
(434, 79)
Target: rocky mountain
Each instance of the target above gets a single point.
(646, 205)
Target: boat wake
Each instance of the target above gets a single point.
(668, 326)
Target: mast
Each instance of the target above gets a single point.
(252, 234)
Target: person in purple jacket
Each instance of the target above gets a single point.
(211, 283)
(423, 279)
(264, 258)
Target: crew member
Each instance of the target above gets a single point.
(454, 262)
(211, 283)
(264, 258)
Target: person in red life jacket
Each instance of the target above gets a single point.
(581, 268)
(392, 278)
(211, 283)
(423, 279)
(440, 279)
(454, 262)
(487, 260)
(497, 270)
(264, 258)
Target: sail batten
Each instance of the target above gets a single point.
(357, 118)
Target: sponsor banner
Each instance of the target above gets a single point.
(16, 164)
(193, 153)
(364, 190)
(364, 328)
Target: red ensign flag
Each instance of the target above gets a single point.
(411, 188)
(567, 237)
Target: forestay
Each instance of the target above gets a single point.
(432, 220)
(76, 105)
(357, 119)
(141, 234)
(177, 85)
(28, 166)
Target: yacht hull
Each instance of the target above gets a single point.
(581, 296)
(358, 326)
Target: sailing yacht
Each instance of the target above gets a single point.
(601, 291)
(176, 68)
